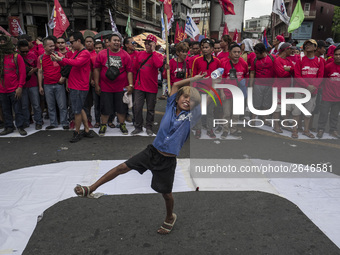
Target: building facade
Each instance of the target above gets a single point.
(254, 27)
(317, 23)
(34, 14)
(200, 14)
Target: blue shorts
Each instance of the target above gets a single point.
(77, 98)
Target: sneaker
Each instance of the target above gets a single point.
(334, 134)
(149, 132)
(320, 133)
(76, 137)
(136, 131)
(211, 134)
(50, 127)
(90, 124)
(198, 134)
(122, 128)
(22, 131)
(218, 130)
(72, 124)
(102, 129)
(66, 127)
(38, 126)
(7, 131)
(224, 135)
(89, 134)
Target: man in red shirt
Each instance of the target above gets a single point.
(195, 53)
(61, 46)
(178, 66)
(277, 40)
(146, 85)
(226, 40)
(13, 76)
(330, 104)
(261, 78)
(30, 92)
(236, 67)
(78, 83)
(49, 71)
(206, 64)
(309, 73)
(217, 48)
(284, 70)
(112, 91)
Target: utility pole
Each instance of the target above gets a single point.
(89, 14)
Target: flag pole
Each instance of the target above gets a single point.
(167, 51)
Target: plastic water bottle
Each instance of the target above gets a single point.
(217, 73)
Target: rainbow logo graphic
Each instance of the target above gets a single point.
(211, 95)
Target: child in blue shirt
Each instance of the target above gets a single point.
(160, 157)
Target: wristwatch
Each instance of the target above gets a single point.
(130, 85)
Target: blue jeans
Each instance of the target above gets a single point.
(31, 95)
(9, 102)
(55, 93)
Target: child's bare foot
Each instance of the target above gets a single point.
(168, 225)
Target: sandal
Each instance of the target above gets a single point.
(86, 192)
(167, 227)
(111, 125)
(279, 131)
(295, 134)
(308, 134)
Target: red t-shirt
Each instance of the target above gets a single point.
(191, 61)
(201, 65)
(118, 59)
(331, 86)
(223, 55)
(147, 78)
(309, 72)
(133, 57)
(14, 75)
(177, 67)
(294, 59)
(241, 73)
(283, 78)
(51, 69)
(264, 70)
(79, 78)
(31, 59)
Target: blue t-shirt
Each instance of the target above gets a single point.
(174, 130)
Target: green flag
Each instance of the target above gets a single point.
(127, 29)
(297, 17)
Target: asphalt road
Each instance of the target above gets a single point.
(208, 222)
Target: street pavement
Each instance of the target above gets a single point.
(219, 222)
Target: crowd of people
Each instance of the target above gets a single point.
(67, 77)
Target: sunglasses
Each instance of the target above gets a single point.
(71, 42)
(24, 51)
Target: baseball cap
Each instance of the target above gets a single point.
(285, 46)
(330, 41)
(151, 38)
(312, 41)
(280, 38)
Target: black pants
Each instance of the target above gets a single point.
(329, 107)
(140, 97)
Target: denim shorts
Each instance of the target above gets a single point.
(77, 98)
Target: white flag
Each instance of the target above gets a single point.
(51, 22)
(46, 30)
(113, 24)
(20, 31)
(190, 27)
(163, 26)
(280, 9)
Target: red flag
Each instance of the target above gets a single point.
(205, 33)
(181, 32)
(177, 34)
(61, 21)
(227, 7)
(235, 38)
(168, 11)
(225, 29)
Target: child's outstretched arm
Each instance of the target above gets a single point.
(185, 82)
